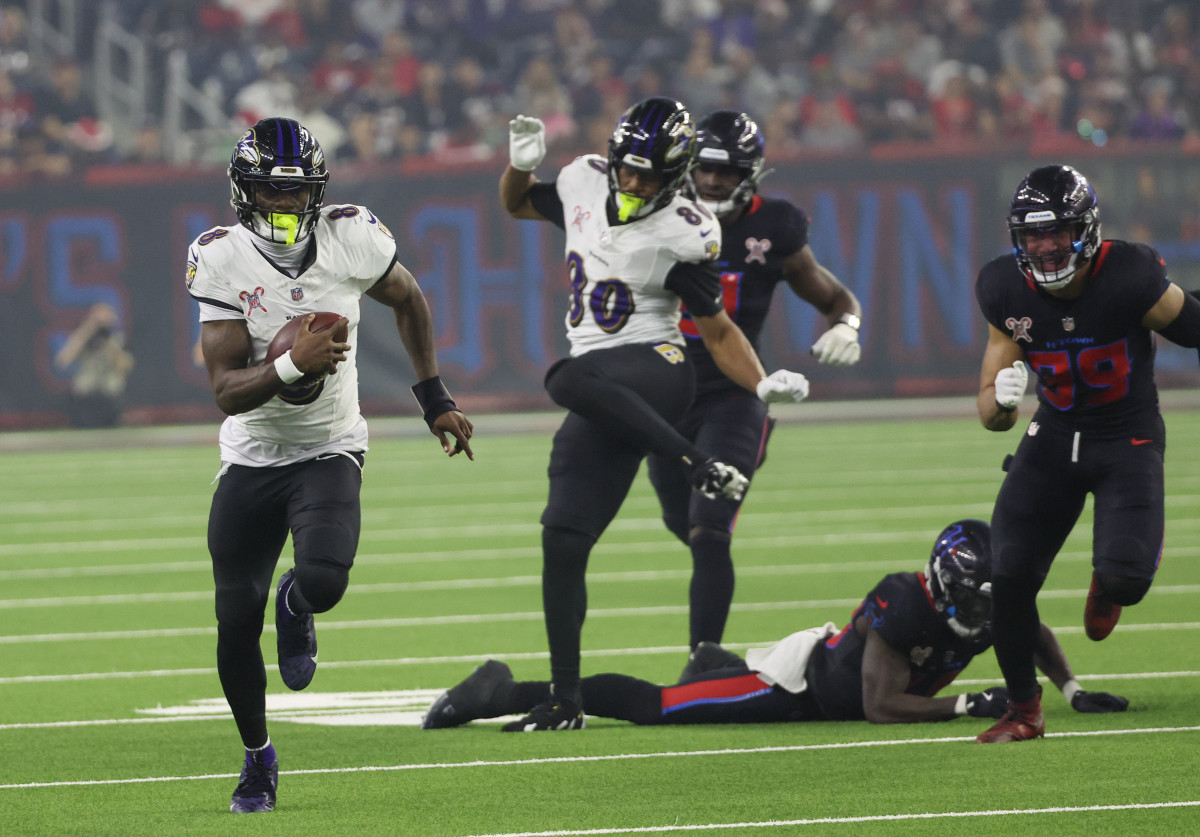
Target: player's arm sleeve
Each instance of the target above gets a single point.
(544, 198)
(698, 285)
(1184, 329)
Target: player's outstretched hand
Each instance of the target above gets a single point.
(1010, 384)
(526, 142)
(838, 346)
(1098, 702)
(458, 426)
(783, 387)
(990, 703)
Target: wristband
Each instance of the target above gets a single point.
(287, 371)
(433, 399)
(1070, 689)
(960, 706)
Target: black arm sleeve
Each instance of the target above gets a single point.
(1184, 330)
(544, 198)
(698, 285)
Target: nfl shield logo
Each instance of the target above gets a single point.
(297, 294)
(1068, 323)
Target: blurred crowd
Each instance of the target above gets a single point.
(379, 80)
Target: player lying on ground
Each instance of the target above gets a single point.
(911, 636)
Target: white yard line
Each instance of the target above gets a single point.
(798, 748)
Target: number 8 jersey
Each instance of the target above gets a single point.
(618, 272)
(1093, 358)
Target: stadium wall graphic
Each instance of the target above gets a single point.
(907, 237)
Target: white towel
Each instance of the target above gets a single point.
(784, 662)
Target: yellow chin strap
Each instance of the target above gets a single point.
(287, 223)
(627, 205)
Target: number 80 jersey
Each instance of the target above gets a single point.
(618, 272)
(1092, 357)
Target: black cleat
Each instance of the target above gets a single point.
(295, 638)
(709, 656)
(470, 699)
(255, 793)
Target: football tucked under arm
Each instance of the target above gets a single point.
(278, 352)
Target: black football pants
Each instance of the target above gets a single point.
(252, 512)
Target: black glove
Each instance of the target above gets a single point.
(992, 703)
(1098, 702)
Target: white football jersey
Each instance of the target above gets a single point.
(232, 280)
(618, 272)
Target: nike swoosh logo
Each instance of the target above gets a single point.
(882, 602)
(705, 234)
(1141, 441)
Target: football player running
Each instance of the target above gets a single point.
(634, 249)
(764, 243)
(1081, 312)
(294, 442)
(911, 636)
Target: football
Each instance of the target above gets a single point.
(286, 336)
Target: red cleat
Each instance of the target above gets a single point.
(1022, 722)
(1100, 615)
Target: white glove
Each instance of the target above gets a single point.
(1010, 385)
(783, 387)
(838, 346)
(526, 142)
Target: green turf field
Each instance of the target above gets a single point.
(112, 720)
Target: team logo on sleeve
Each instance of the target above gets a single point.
(253, 300)
(191, 274)
(756, 251)
(711, 250)
(1020, 328)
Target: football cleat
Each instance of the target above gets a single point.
(470, 699)
(1100, 615)
(295, 638)
(715, 479)
(553, 715)
(1022, 722)
(255, 793)
(709, 656)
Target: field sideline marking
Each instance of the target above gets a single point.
(794, 748)
(1001, 812)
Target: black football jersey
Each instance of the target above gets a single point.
(901, 610)
(752, 253)
(1093, 358)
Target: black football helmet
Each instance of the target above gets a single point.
(277, 156)
(959, 576)
(728, 138)
(1047, 197)
(655, 135)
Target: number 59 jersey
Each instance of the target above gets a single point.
(618, 272)
(1092, 357)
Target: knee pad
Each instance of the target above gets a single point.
(677, 525)
(241, 608)
(1122, 590)
(706, 534)
(321, 586)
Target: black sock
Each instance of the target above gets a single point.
(564, 601)
(1016, 627)
(711, 591)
